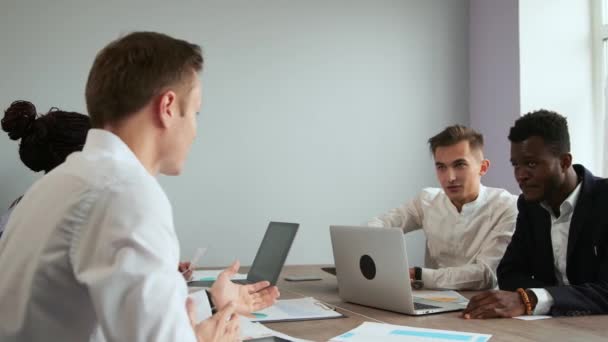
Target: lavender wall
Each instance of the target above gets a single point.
(494, 92)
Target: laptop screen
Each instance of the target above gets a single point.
(273, 251)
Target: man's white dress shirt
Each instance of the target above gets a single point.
(91, 252)
(463, 248)
(560, 230)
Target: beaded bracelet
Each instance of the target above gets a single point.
(526, 300)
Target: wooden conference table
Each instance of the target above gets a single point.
(585, 328)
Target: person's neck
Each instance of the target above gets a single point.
(460, 204)
(137, 134)
(568, 185)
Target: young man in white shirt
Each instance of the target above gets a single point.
(91, 250)
(467, 225)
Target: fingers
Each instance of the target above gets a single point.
(231, 270)
(482, 296)
(183, 266)
(226, 312)
(485, 311)
(476, 300)
(191, 309)
(252, 288)
(185, 269)
(225, 315)
(265, 298)
(488, 300)
(233, 329)
(495, 304)
(235, 266)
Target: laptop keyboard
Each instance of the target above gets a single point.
(420, 306)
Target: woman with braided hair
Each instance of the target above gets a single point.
(46, 140)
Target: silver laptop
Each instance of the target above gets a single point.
(372, 270)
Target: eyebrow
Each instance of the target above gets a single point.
(461, 160)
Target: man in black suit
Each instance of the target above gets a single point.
(557, 261)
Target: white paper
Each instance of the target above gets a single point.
(211, 275)
(250, 330)
(294, 309)
(532, 318)
(198, 254)
(441, 296)
(369, 331)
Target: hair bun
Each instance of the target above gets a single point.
(19, 119)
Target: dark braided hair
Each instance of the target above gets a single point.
(46, 140)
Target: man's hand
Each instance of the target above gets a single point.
(247, 298)
(185, 270)
(223, 326)
(412, 275)
(495, 304)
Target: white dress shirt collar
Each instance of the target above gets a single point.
(567, 206)
(476, 203)
(103, 142)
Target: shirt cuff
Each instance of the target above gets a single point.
(201, 305)
(375, 222)
(544, 301)
(428, 278)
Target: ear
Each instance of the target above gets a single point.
(485, 165)
(167, 105)
(565, 161)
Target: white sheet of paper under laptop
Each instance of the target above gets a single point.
(441, 296)
(369, 331)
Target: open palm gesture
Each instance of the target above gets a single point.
(246, 298)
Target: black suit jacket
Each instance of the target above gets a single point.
(528, 261)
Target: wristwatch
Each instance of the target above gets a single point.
(417, 282)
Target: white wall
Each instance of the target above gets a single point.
(314, 112)
(556, 68)
(495, 82)
(526, 55)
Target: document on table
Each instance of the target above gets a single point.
(211, 275)
(441, 296)
(300, 309)
(532, 317)
(369, 331)
(251, 330)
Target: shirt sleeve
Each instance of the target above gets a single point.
(544, 301)
(515, 270)
(480, 274)
(408, 217)
(127, 257)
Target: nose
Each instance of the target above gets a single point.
(451, 175)
(521, 175)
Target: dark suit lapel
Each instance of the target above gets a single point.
(582, 210)
(544, 245)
